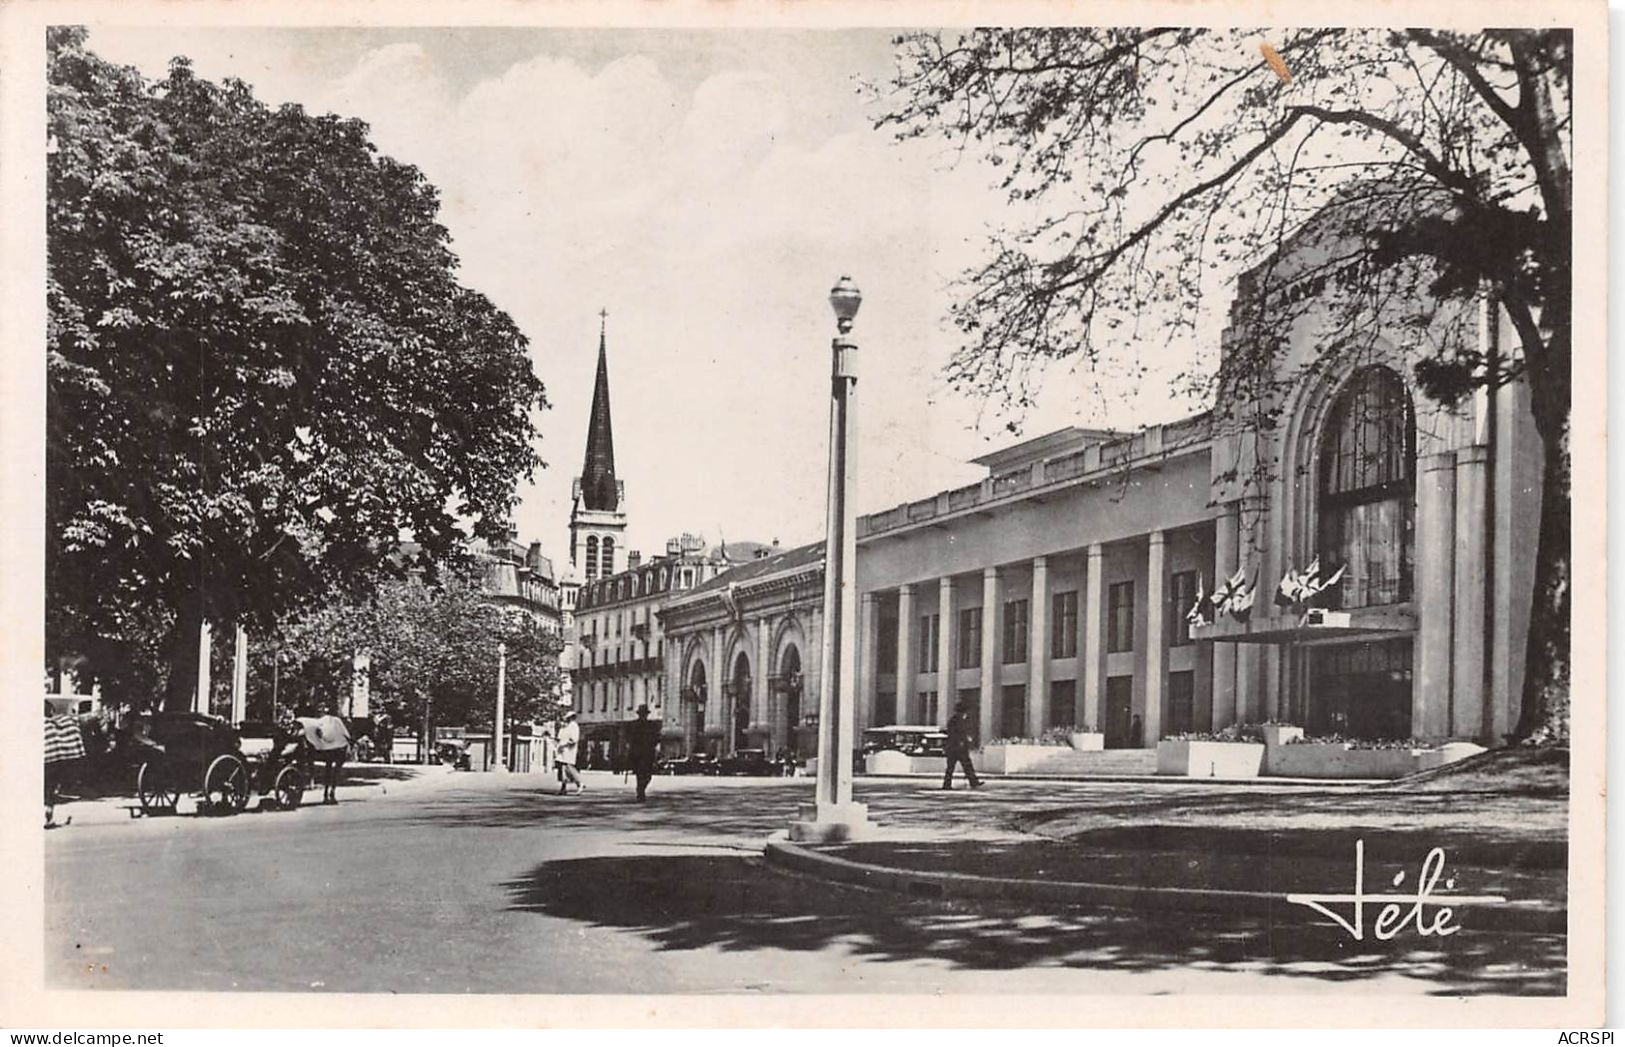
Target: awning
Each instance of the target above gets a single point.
(1317, 626)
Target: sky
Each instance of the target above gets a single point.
(706, 188)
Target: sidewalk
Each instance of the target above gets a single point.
(358, 781)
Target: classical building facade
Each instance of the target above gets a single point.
(1054, 591)
(621, 647)
(742, 656)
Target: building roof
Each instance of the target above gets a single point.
(1061, 441)
(599, 490)
(788, 560)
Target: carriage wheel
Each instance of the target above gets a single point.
(289, 788)
(156, 790)
(225, 785)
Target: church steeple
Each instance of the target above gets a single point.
(599, 490)
(598, 517)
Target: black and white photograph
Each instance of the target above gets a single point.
(679, 503)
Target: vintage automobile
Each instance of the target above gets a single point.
(693, 763)
(749, 763)
(909, 739)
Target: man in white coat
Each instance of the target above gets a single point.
(569, 742)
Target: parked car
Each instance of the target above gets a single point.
(693, 763)
(750, 763)
(910, 739)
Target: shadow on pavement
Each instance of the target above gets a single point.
(689, 902)
(1231, 859)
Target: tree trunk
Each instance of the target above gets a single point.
(182, 643)
(1544, 717)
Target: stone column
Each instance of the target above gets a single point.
(992, 595)
(945, 650)
(1224, 654)
(906, 712)
(205, 648)
(868, 655)
(1094, 648)
(360, 678)
(762, 718)
(714, 700)
(1250, 685)
(239, 679)
(1469, 711)
(1038, 649)
(1435, 595)
(1156, 635)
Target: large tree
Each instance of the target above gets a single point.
(433, 645)
(1144, 166)
(261, 366)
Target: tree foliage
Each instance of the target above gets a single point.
(1145, 167)
(261, 366)
(433, 646)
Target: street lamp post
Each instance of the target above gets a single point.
(833, 815)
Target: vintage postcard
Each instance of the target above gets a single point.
(549, 514)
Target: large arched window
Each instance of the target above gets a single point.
(1368, 490)
(592, 557)
(606, 562)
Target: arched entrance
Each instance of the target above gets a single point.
(739, 705)
(693, 708)
(1365, 504)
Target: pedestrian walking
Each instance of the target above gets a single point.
(957, 749)
(645, 745)
(569, 742)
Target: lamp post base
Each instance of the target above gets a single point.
(832, 823)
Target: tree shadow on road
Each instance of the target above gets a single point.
(737, 903)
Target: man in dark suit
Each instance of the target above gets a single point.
(958, 747)
(644, 747)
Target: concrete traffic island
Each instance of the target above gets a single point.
(1043, 873)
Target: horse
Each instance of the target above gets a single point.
(327, 741)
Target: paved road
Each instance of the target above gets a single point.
(479, 883)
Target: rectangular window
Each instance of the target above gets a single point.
(1181, 702)
(927, 645)
(886, 708)
(1063, 695)
(1120, 617)
(1015, 632)
(1064, 627)
(886, 659)
(1181, 598)
(970, 638)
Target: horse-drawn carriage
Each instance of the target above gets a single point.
(191, 752)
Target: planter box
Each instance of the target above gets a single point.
(1087, 741)
(890, 761)
(1339, 760)
(1012, 759)
(1210, 759)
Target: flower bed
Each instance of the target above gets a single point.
(1335, 757)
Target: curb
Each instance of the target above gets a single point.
(1144, 779)
(1520, 917)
